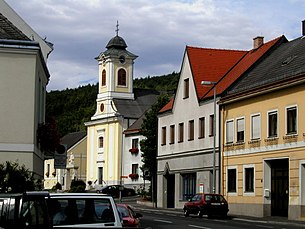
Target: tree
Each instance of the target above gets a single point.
(149, 130)
(16, 179)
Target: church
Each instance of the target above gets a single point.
(113, 133)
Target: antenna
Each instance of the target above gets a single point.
(117, 28)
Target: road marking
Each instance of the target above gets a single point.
(190, 225)
(162, 221)
(264, 226)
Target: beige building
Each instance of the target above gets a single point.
(24, 76)
(263, 129)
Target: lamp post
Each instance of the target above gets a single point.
(214, 133)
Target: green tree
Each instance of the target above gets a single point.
(149, 130)
(16, 179)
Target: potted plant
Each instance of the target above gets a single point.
(134, 150)
(134, 176)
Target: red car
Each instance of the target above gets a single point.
(130, 218)
(206, 204)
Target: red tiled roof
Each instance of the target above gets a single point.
(210, 65)
(222, 66)
(243, 65)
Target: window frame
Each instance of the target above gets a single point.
(172, 134)
(239, 119)
(232, 131)
(186, 91)
(271, 112)
(191, 130)
(229, 192)
(122, 77)
(211, 125)
(135, 143)
(163, 135)
(251, 126)
(248, 192)
(188, 185)
(103, 78)
(287, 132)
(201, 128)
(181, 132)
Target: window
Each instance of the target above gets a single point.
(211, 125)
(135, 168)
(255, 126)
(181, 132)
(188, 185)
(272, 124)
(104, 77)
(291, 120)
(229, 131)
(191, 130)
(101, 142)
(163, 140)
(240, 130)
(122, 77)
(172, 134)
(201, 127)
(135, 143)
(249, 179)
(231, 180)
(186, 88)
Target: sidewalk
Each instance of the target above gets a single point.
(269, 219)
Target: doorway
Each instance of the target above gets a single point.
(279, 187)
(170, 180)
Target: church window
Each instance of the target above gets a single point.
(121, 77)
(104, 77)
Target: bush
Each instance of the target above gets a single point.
(77, 186)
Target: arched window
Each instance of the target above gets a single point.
(122, 77)
(104, 77)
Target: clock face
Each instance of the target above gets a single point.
(122, 59)
(102, 107)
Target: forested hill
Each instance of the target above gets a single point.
(71, 108)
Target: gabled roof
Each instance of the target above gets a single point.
(10, 32)
(282, 65)
(246, 63)
(221, 66)
(72, 139)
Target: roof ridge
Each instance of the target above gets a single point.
(216, 49)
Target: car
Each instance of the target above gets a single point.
(83, 210)
(114, 190)
(206, 204)
(130, 218)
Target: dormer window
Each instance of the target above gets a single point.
(104, 77)
(122, 77)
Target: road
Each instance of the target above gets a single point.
(155, 218)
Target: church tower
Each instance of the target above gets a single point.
(115, 76)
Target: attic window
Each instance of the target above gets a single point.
(288, 60)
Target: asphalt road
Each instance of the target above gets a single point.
(155, 218)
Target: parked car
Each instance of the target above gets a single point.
(24, 211)
(114, 190)
(130, 218)
(206, 204)
(83, 210)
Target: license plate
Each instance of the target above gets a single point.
(215, 203)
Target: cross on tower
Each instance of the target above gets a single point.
(117, 28)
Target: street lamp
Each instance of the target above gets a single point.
(214, 133)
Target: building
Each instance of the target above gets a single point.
(263, 136)
(188, 136)
(76, 162)
(23, 56)
(118, 107)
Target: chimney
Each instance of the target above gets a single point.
(258, 42)
(303, 28)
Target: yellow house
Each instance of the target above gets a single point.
(263, 133)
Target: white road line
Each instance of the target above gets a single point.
(196, 226)
(162, 221)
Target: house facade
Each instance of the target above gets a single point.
(186, 154)
(76, 164)
(23, 56)
(263, 136)
(118, 107)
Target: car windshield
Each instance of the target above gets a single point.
(214, 198)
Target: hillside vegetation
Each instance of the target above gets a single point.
(71, 108)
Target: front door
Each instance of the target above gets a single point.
(279, 187)
(170, 190)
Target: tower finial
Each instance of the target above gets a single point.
(117, 28)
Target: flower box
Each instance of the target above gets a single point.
(134, 176)
(134, 150)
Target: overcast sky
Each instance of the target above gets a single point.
(155, 30)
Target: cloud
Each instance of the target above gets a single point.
(155, 30)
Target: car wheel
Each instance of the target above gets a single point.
(186, 212)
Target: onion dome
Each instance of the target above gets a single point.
(116, 42)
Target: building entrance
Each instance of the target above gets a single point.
(170, 178)
(279, 187)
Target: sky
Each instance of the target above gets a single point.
(157, 31)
